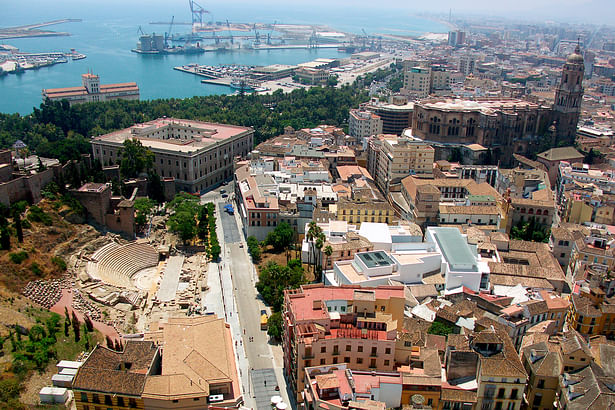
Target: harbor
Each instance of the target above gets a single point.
(285, 77)
(12, 61)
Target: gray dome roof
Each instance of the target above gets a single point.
(576, 57)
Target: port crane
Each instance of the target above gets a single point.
(270, 32)
(197, 11)
(230, 33)
(257, 37)
(167, 35)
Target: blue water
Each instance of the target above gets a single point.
(109, 30)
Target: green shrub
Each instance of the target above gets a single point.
(36, 269)
(36, 214)
(59, 262)
(18, 257)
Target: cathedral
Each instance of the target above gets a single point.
(505, 125)
(568, 97)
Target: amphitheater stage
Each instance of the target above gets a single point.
(170, 279)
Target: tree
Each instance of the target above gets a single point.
(274, 279)
(593, 156)
(18, 227)
(143, 207)
(530, 231)
(5, 238)
(41, 167)
(89, 326)
(320, 242)
(155, 189)
(281, 238)
(328, 251)
(76, 327)
(440, 328)
(135, 159)
(274, 325)
(254, 249)
(310, 236)
(182, 222)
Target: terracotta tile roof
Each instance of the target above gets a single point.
(458, 395)
(589, 388)
(560, 154)
(125, 372)
(200, 350)
(584, 306)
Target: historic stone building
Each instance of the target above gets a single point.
(505, 125)
(568, 97)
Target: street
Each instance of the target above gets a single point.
(232, 294)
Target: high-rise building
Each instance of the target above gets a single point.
(456, 38)
(467, 64)
(568, 97)
(420, 82)
(363, 124)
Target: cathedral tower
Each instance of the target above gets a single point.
(568, 96)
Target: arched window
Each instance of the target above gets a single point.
(522, 210)
(538, 212)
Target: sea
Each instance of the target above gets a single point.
(109, 30)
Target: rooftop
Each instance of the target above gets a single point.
(197, 135)
(124, 372)
(454, 248)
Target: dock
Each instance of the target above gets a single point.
(33, 30)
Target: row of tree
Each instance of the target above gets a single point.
(59, 130)
(316, 240)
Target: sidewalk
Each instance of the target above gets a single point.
(220, 300)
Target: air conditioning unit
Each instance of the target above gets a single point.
(215, 398)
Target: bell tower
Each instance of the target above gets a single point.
(568, 97)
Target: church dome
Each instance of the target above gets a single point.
(576, 57)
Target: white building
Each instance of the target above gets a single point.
(444, 251)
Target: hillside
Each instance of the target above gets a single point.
(49, 239)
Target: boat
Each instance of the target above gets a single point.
(78, 56)
(241, 84)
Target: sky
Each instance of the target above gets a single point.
(583, 11)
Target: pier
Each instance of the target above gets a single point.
(33, 30)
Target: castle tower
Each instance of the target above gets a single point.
(91, 82)
(568, 97)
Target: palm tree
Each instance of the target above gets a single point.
(309, 236)
(320, 242)
(328, 251)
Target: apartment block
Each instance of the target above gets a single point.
(420, 82)
(354, 326)
(392, 158)
(362, 124)
(591, 312)
(488, 358)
